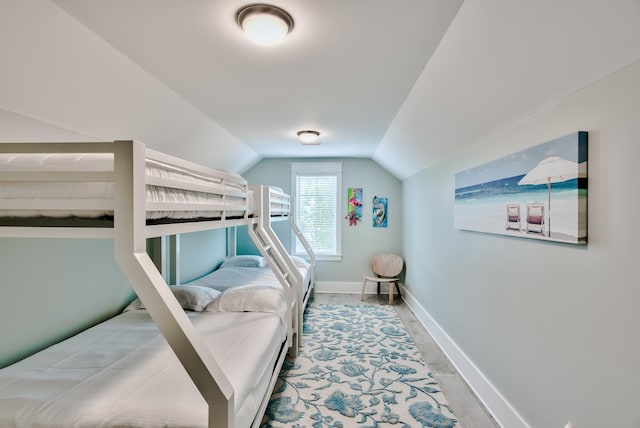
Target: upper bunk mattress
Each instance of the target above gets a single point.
(103, 162)
(277, 201)
(122, 373)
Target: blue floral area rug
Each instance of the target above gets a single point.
(358, 367)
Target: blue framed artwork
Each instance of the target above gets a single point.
(379, 213)
(538, 193)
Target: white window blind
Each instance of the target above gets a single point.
(317, 206)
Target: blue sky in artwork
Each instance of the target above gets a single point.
(521, 162)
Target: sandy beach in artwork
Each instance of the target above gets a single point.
(490, 215)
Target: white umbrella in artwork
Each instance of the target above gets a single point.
(552, 169)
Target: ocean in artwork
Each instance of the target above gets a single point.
(538, 193)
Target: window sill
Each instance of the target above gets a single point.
(326, 257)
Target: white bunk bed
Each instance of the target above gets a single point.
(134, 186)
(273, 204)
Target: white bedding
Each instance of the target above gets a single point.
(231, 277)
(122, 373)
(238, 282)
(102, 190)
(305, 279)
(245, 289)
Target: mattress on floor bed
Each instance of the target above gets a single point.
(123, 373)
(305, 280)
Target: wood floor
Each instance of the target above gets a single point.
(468, 409)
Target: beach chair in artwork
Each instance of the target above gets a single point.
(535, 218)
(513, 216)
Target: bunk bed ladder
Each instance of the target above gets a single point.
(269, 251)
(148, 283)
(310, 252)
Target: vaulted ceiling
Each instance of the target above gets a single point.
(405, 83)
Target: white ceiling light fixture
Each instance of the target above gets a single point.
(309, 137)
(264, 24)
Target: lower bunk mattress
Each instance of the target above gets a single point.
(122, 373)
(249, 275)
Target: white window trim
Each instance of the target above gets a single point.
(320, 168)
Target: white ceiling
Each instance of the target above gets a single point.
(345, 69)
(405, 83)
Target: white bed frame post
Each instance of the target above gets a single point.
(279, 261)
(174, 259)
(132, 258)
(232, 240)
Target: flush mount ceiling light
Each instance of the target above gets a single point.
(309, 137)
(264, 24)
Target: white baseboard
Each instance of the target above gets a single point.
(492, 399)
(349, 287)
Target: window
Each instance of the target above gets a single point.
(316, 188)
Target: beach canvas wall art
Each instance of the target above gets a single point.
(538, 193)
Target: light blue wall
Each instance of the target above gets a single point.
(53, 288)
(359, 242)
(554, 327)
(246, 246)
(201, 252)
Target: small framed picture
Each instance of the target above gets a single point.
(379, 212)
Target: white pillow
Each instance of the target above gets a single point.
(300, 262)
(270, 299)
(190, 297)
(245, 261)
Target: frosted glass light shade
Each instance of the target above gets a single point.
(308, 137)
(264, 25)
(265, 30)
